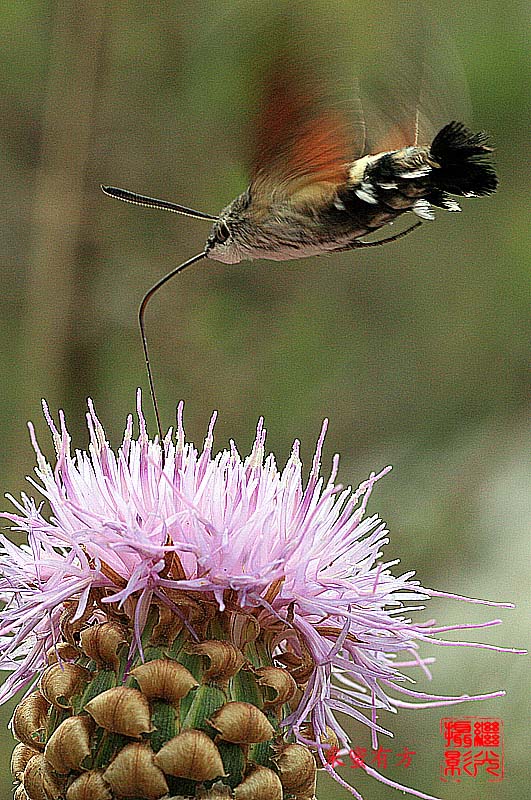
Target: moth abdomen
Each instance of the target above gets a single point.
(414, 178)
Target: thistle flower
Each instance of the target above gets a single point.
(189, 624)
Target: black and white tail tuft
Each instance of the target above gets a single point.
(463, 158)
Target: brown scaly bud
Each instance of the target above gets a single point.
(102, 642)
(40, 781)
(121, 710)
(225, 660)
(164, 679)
(300, 667)
(133, 773)
(89, 786)
(260, 783)
(244, 629)
(242, 723)
(20, 757)
(282, 684)
(63, 651)
(59, 683)
(168, 626)
(68, 748)
(30, 720)
(191, 755)
(297, 770)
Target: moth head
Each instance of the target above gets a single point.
(227, 238)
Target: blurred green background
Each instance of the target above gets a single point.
(419, 353)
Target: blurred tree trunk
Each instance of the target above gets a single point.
(55, 364)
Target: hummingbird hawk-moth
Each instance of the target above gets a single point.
(310, 195)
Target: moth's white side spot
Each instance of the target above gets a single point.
(415, 173)
(423, 209)
(366, 193)
(451, 205)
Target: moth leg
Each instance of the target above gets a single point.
(380, 242)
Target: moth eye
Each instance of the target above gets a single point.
(222, 233)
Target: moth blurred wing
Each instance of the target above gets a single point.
(303, 150)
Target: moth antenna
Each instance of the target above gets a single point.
(152, 202)
(141, 311)
(417, 125)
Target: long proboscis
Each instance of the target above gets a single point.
(141, 312)
(152, 202)
(165, 205)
